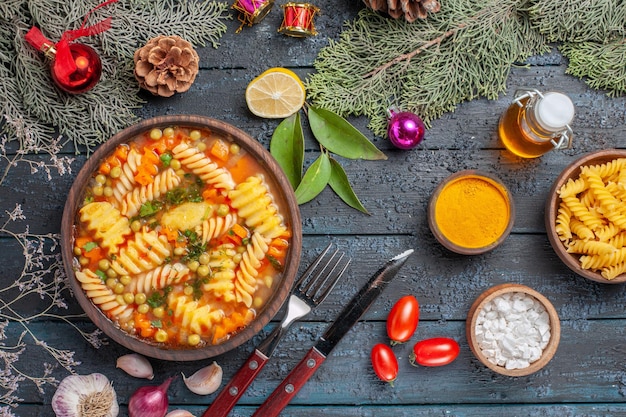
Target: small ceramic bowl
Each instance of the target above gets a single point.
(277, 292)
(497, 291)
(447, 200)
(572, 171)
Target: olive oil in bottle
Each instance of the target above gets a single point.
(536, 123)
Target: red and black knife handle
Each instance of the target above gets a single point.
(231, 393)
(290, 386)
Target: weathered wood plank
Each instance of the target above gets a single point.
(563, 410)
(581, 372)
(446, 284)
(395, 191)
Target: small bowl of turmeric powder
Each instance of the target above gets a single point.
(471, 212)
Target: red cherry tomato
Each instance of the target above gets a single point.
(402, 319)
(437, 351)
(384, 363)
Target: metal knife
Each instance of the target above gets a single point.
(350, 315)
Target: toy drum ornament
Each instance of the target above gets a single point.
(252, 11)
(298, 20)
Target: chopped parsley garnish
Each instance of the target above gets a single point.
(101, 274)
(193, 192)
(156, 323)
(158, 298)
(277, 265)
(195, 247)
(89, 246)
(175, 196)
(197, 287)
(150, 208)
(194, 250)
(194, 195)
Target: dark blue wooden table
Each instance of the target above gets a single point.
(587, 375)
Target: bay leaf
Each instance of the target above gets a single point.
(338, 136)
(314, 180)
(287, 147)
(341, 186)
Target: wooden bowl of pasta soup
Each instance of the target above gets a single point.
(584, 216)
(181, 237)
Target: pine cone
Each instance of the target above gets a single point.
(166, 65)
(410, 9)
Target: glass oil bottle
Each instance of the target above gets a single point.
(536, 123)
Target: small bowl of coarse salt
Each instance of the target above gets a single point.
(513, 329)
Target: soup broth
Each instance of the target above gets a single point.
(179, 239)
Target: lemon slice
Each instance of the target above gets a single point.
(276, 93)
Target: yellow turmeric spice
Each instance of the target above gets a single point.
(472, 212)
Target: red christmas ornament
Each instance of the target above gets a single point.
(298, 19)
(75, 67)
(405, 130)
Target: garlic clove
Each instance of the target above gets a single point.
(135, 365)
(206, 380)
(85, 392)
(179, 413)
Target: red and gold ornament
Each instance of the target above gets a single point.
(298, 20)
(405, 129)
(75, 67)
(252, 11)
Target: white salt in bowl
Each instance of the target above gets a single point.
(501, 292)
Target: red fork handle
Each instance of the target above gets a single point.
(291, 385)
(231, 393)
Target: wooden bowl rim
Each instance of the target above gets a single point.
(490, 294)
(552, 206)
(292, 215)
(434, 227)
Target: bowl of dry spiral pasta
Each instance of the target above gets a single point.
(181, 237)
(585, 216)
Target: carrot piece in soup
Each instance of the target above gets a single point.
(219, 149)
(240, 231)
(105, 168)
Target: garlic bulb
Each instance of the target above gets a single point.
(179, 413)
(135, 365)
(85, 396)
(206, 380)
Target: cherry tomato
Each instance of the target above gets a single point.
(437, 351)
(402, 319)
(384, 363)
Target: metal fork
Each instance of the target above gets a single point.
(309, 291)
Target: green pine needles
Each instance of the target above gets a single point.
(592, 35)
(36, 109)
(461, 53)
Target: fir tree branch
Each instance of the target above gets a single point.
(408, 56)
(426, 67)
(577, 21)
(603, 65)
(86, 120)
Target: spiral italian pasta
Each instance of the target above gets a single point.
(202, 166)
(159, 278)
(146, 251)
(591, 218)
(245, 284)
(255, 204)
(222, 264)
(162, 183)
(126, 181)
(106, 223)
(102, 296)
(193, 316)
(216, 226)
